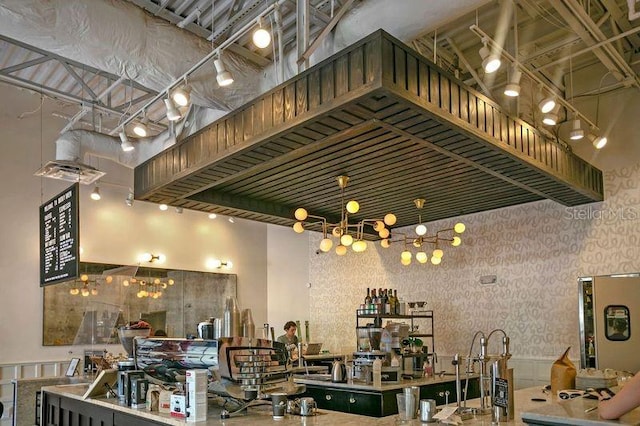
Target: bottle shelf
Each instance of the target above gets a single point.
(365, 314)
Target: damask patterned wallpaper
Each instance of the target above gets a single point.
(537, 251)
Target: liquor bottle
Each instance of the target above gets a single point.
(387, 302)
(367, 299)
(374, 301)
(381, 300)
(392, 303)
(395, 296)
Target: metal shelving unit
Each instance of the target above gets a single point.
(422, 315)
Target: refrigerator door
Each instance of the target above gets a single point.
(616, 310)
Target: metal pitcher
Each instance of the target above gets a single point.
(338, 372)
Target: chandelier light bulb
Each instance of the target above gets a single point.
(459, 227)
(438, 253)
(390, 219)
(346, 240)
(94, 291)
(301, 214)
(417, 242)
(261, 38)
(405, 255)
(421, 230)
(74, 291)
(326, 244)
(436, 260)
(359, 246)
(456, 241)
(422, 257)
(385, 243)
(405, 262)
(353, 207)
(125, 283)
(298, 227)
(378, 225)
(336, 232)
(384, 233)
(341, 250)
(84, 277)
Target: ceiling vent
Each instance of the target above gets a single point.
(70, 171)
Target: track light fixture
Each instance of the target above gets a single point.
(576, 133)
(95, 194)
(512, 89)
(261, 37)
(490, 61)
(551, 117)
(598, 141)
(125, 143)
(224, 77)
(547, 104)
(172, 112)
(141, 129)
(182, 96)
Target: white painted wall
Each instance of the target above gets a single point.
(111, 232)
(288, 277)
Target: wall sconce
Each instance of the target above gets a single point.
(218, 264)
(151, 258)
(341, 230)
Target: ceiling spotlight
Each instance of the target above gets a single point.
(551, 117)
(490, 61)
(224, 77)
(261, 37)
(182, 96)
(126, 144)
(129, 200)
(547, 104)
(599, 141)
(95, 194)
(577, 133)
(141, 129)
(163, 207)
(212, 215)
(172, 112)
(512, 89)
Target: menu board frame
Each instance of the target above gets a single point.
(61, 209)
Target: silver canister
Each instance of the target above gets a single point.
(427, 410)
(232, 326)
(307, 406)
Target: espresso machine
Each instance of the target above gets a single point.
(369, 349)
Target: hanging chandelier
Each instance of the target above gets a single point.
(347, 234)
(421, 240)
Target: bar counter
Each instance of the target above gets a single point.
(537, 412)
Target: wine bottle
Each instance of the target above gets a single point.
(381, 300)
(395, 296)
(367, 299)
(392, 303)
(374, 301)
(387, 302)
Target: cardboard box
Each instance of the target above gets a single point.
(197, 413)
(164, 402)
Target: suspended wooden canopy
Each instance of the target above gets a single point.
(400, 127)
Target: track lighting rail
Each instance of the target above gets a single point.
(214, 53)
(485, 37)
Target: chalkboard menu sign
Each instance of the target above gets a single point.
(60, 237)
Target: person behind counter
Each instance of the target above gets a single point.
(624, 401)
(289, 337)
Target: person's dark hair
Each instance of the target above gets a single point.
(620, 325)
(288, 325)
(160, 333)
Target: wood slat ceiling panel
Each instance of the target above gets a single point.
(411, 131)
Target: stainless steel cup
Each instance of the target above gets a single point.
(307, 406)
(279, 404)
(427, 410)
